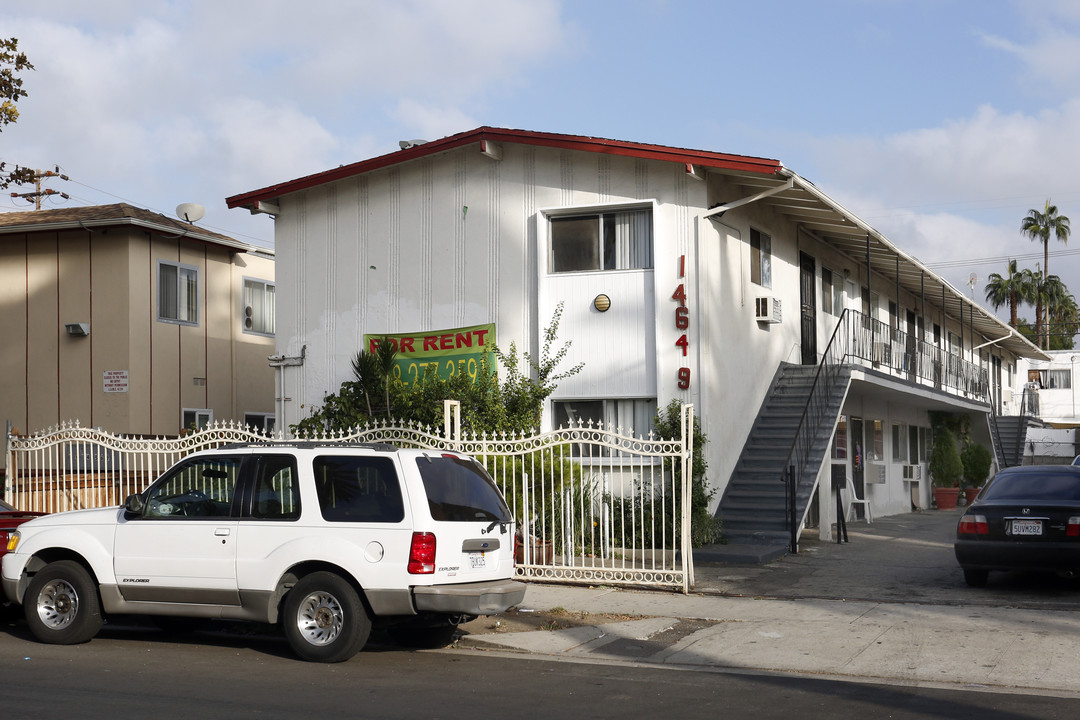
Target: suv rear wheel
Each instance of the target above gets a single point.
(325, 620)
(62, 605)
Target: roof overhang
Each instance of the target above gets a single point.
(800, 202)
(169, 230)
(488, 139)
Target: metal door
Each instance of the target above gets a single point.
(808, 301)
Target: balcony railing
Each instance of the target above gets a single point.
(895, 352)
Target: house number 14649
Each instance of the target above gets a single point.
(682, 322)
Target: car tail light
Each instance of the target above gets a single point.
(1073, 528)
(422, 554)
(974, 525)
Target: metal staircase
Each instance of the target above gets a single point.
(756, 507)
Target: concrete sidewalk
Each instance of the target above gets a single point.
(816, 630)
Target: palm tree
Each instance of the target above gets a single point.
(1064, 319)
(1040, 226)
(1051, 294)
(1011, 289)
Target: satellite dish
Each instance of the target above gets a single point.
(190, 212)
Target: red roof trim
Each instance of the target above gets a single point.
(521, 137)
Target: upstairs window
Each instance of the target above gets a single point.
(178, 293)
(832, 292)
(1058, 380)
(760, 258)
(602, 241)
(258, 316)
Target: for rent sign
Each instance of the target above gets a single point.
(442, 352)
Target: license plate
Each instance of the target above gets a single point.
(477, 560)
(1027, 527)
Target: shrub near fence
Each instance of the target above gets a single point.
(593, 504)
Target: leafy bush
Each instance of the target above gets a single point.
(946, 468)
(642, 517)
(976, 460)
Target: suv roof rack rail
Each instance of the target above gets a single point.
(379, 446)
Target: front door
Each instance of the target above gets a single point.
(808, 301)
(911, 351)
(858, 461)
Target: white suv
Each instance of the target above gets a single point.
(323, 538)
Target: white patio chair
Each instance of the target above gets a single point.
(856, 500)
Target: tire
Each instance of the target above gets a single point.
(976, 578)
(62, 605)
(325, 620)
(424, 636)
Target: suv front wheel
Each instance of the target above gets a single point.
(325, 620)
(62, 605)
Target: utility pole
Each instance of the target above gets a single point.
(38, 192)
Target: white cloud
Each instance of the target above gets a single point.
(432, 122)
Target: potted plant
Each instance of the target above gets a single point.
(976, 460)
(946, 470)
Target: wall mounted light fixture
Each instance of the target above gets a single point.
(602, 302)
(78, 329)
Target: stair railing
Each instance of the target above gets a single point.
(814, 414)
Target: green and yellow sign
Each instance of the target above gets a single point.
(442, 352)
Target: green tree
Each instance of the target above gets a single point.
(946, 467)
(1013, 288)
(1051, 294)
(1040, 225)
(1065, 325)
(12, 62)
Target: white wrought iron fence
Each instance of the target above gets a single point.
(593, 504)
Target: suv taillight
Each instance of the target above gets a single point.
(973, 525)
(422, 554)
(1073, 528)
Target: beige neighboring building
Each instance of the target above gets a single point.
(131, 321)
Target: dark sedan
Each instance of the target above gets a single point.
(10, 518)
(1026, 518)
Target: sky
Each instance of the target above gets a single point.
(938, 122)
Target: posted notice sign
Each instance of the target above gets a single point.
(441, 352)
(116, 381)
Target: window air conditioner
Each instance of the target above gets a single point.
(912, 472)
(767, 309)
(875, 473)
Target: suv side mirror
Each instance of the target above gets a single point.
(134, 504)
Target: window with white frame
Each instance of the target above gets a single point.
(617, 240)
(1058, 380)
(258, 314)
(877, 441)
(178, 293)
(196, 418)
(627, 415)
(832, 291)
(262, 422)
(827, 304)
(926, 441)
(899, 443)
(760, 258)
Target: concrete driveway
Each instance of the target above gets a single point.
(904, 558)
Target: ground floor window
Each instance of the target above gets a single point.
(635, 414)
(196, 419)
(877, 446)
(263, 422)
(840, 440)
